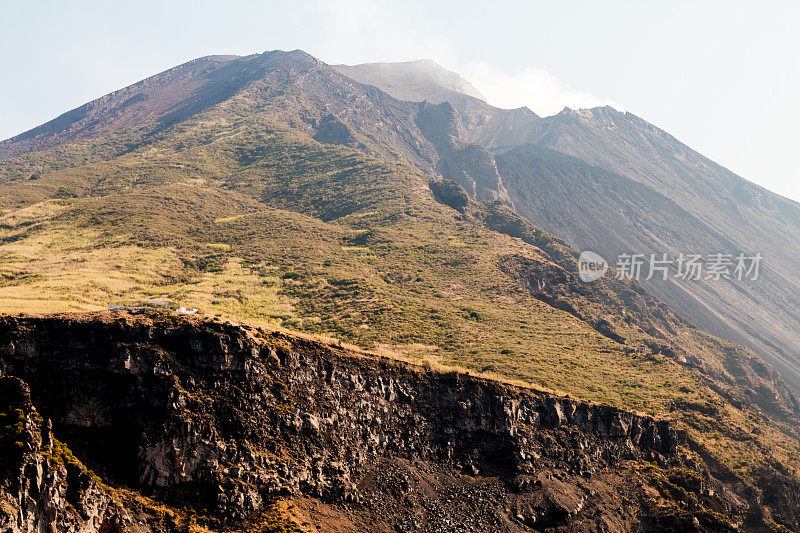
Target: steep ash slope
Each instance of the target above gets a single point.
(594, 209)
(750, 218)
(165, 98)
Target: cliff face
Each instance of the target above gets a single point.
(229, 420)
(41, 492)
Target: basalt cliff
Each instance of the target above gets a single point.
(123, 423)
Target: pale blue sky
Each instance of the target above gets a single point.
(722, 76)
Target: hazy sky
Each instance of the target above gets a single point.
(722, 76)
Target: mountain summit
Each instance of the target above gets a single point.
(413, 80)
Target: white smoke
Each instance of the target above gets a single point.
(534, 88)
(362, 31)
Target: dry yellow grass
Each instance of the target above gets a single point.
(66, 270)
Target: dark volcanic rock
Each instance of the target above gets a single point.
(229, 419)
(46, 492)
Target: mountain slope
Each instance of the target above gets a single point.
(308, 200)
(729, 214)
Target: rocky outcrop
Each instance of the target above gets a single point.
(43, 488)
(469, 165)
(229, 418)
(474, 168)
